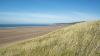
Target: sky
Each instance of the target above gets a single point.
(48, 11)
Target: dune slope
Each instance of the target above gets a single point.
(81, 39)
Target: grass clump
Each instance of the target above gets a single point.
(81, 39)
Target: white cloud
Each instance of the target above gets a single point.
(16, 17)
(34, 15)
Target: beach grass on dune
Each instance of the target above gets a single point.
(82, 39)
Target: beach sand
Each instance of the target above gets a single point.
(12, 35)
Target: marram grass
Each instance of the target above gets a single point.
(81, 39)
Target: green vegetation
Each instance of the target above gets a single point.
(81, 39)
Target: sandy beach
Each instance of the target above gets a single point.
(8, 36)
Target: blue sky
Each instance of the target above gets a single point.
(48, 11)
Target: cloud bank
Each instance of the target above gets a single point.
(18, 17)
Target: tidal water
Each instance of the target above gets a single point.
(6, 26)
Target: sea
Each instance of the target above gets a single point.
(10, 26)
